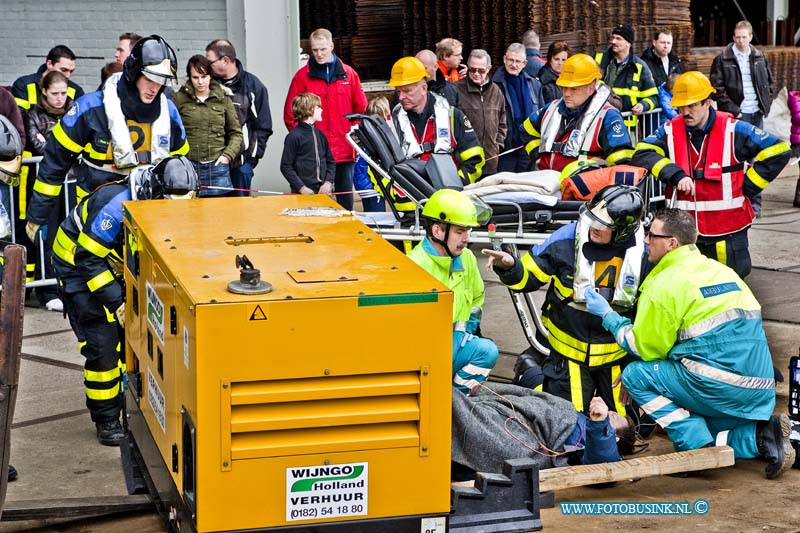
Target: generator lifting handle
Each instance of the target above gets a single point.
(249, 281)
(243, 262)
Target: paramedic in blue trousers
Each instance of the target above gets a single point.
(704, 371)
(449, 215)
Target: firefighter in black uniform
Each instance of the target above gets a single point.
(129, 122)
(87, 259)
(604, 252)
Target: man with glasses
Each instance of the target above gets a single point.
(448, 54)
(523, 94)
(484, 105)
(700, 155)
(704, 370)
(251, 99)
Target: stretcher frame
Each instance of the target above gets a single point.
(528, 311)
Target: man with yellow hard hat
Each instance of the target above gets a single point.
(579, 126)
(426, 124)
(702, 154)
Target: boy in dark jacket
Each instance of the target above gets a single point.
(307, 162)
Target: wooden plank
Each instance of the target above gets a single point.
(73, 507)
(12, 310)
(657, 465)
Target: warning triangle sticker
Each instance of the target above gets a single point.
(258, 314)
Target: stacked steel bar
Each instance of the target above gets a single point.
(372, 34)
(785, 64)
(377, 31)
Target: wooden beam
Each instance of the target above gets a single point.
(73, 507)
(12, 310)
(657, 465)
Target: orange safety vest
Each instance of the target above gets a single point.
(719, 206)
(583, 186)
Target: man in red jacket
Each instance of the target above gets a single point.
(339, 87)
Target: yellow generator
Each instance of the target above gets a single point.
(287, 368)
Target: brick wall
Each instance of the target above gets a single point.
(90, 28)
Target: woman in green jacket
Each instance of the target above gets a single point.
(212, 127)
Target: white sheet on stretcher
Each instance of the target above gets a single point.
(520, 197)
(541, 181)
(384, 220)
(540, 186)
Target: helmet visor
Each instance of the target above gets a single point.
(11, 167)
(162, 73)
(594, 222)
(597, 215)
(181, 194)
(482, 211)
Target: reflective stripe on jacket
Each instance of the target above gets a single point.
(88, 249)
(84, 132)
(608, 138)
(460, 274)
(574, 333)
(719, 205)
(465, 149)
(698, 312)
(634, 83)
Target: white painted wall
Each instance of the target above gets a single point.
(29, 29)
(272, 48)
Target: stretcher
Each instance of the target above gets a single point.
(523, 216)
(526, 207)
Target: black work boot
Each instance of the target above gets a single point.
(109, 433)
(527, 372)
(772, 440)
(12, 473)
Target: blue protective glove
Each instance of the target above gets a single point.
(596, 304)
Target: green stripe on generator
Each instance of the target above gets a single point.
(398, 299)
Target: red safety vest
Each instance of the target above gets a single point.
(720, 206)
(557, 161)
(428, 140)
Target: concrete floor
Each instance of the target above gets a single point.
(55, 451)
